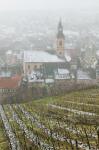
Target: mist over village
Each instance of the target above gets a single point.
(49, 75)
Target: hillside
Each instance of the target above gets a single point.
(68, 122)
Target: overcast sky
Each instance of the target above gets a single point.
(49, 4)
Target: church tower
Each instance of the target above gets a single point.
(60, 40)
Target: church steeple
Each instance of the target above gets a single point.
(60, 30)
(60, 40)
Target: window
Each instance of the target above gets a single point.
(35, 67)
(40, 66)
(28, 66)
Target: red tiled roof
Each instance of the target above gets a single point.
(10, 83)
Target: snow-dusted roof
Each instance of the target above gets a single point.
(94, 64)
(41, 56)
(49, 80)
(97, 53)
(83, 49)
(9, 52)
(63, 71)
(5, 74)
(81, 75)
(67, 57)
(62, 74)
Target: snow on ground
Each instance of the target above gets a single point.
(55, 135)
(14, 143)
(82, 104)
(73, 110)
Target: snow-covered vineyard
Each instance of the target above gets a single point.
(68, 122)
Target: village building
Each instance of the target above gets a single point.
(46, 62)
(9, 87)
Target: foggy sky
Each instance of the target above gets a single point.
(49, 4)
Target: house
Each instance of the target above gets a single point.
(63, 74)
(82, 75)
(9, 86)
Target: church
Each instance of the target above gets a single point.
(42, 60)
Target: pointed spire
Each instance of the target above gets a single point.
(60, 29)
(60, 24)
